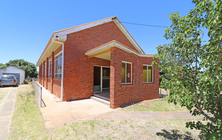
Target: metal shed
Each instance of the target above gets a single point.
(11, 70)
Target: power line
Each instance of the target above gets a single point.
(144, 24)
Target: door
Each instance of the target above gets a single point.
(105, 79)
(97, 79)
(101, 79)
(17, 75)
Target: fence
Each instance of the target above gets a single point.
(164, 92)
(38, 92)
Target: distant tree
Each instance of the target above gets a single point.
(2, 66)
(196, 68)
(29, 68)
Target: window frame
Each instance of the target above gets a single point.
(125, 62)
(50, 68)
(147, 66)
(45, 69)
(56, 65)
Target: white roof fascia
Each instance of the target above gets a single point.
(129, 36)
(63, 33)
(120, 46)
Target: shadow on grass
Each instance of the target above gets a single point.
(175, 135)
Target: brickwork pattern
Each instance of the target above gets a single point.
(79, 68)
(123, 94)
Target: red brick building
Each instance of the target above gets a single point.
(98, 59)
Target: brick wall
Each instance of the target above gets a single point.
(121, 94)
(79, 68)
(50, 83)
(57, 87)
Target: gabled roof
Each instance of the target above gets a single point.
(59, 37)
(103, 51)
(13, 67)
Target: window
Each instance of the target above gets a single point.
(50, 68)
(42, 70)
(45, 69)
(58, 66)
(147, 74)
(126, 73)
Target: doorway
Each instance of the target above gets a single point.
(101, 79)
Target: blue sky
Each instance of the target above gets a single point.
(26, 25)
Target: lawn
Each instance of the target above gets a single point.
(4, 92)
(155, 105)
(27, 123)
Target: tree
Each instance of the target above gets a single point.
(196, 70)
(29, 68)
(2, 66)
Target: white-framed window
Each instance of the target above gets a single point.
(147, 74)
(58, 66)
(45, 69)
(50, 68)
(126, 72)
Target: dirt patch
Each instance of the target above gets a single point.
(146, 104)
(3, 95)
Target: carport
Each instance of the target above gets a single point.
(17, 75)
(10, 70)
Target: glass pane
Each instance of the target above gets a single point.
(144, 73)
(106, 77)
(57, 66)
(123, 73)
(106, 72)
(129, 73)
(150, 76)
(97, 76)
(60, 64)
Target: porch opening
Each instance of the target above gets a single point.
(101, 85)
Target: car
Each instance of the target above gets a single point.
(8, 80)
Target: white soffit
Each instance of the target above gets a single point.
(115, 44)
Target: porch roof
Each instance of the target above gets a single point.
(103, 51)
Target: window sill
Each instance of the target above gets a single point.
(127, 85)
(148, 83)
(55, 78)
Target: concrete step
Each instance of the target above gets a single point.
(100, 100)
(101, 97)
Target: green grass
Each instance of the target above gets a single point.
(155, 105)
(27, 123)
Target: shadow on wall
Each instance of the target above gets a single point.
(175, 135)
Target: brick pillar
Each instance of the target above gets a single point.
(47, 65)
(52, 72)
(112, 78)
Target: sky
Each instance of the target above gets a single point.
(27, 25)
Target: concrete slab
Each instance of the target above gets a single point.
(6, 114)
(59, 113)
